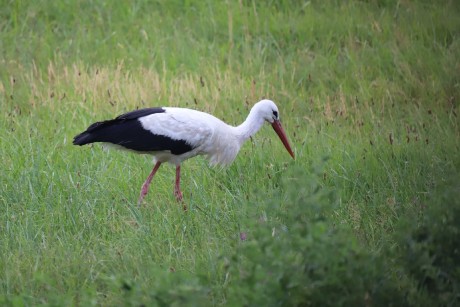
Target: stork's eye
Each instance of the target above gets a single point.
(275, 114)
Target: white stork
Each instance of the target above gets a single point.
(176, 134)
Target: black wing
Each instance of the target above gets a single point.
(127, 131)
(127, 116)
(140, 113)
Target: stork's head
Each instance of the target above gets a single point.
(269, 111)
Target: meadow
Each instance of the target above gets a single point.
(367, 214)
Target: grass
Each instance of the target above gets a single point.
(368, 93)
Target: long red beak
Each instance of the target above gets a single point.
(280, 131)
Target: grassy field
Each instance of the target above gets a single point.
(366, 214)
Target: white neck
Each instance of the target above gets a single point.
(250, 126)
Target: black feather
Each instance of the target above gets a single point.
(140, 113)
(126, 130)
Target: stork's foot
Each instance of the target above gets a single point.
(180, 198)
(178, 195)
(144, 191)
(139, 202)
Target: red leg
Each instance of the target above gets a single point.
(177, 191)
(145, 186)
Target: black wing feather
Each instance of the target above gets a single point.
(126, 130)
(140, 113)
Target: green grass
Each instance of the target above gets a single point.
(368, 92)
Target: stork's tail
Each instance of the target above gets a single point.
(92, 134)
(83, 138)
